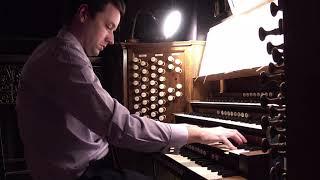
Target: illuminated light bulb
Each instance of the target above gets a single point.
(172, 23)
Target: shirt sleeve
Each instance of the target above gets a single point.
(79, 92)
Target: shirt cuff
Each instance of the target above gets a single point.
(179, 135)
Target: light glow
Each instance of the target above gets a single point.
(171, 23)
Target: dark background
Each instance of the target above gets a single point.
(24, 23)
(42, 19)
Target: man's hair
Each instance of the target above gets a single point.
(94, 6)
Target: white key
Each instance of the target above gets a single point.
(238, 151)
(202, 171)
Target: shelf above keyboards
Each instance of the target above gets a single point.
(228, 104)
(211, 122)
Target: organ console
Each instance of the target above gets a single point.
(228, 99)
(231, 100)
(250, 100)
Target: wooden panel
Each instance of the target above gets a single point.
(188, 52)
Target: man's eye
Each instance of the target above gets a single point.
(109, 27)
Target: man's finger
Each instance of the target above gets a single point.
(228, 143)
(235, 137)
(244, 140)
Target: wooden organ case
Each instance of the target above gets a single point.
(240, 99)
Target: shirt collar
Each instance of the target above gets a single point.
(68, 36)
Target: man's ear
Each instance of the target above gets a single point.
(83, 12)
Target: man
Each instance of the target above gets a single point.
(67, 120)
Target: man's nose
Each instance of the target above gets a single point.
(110, 38)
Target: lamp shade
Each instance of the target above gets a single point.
(146, 28)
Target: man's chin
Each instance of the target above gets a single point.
(93, 53)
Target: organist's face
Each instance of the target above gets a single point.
(97, 31)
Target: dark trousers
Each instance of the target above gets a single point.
(105, 169)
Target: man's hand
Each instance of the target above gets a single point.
(214, 135)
